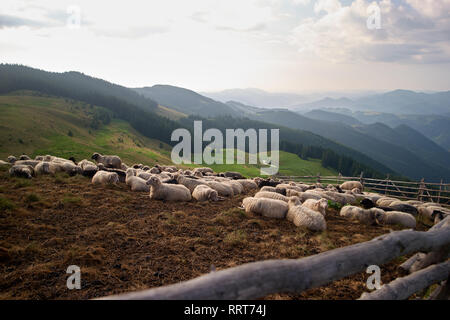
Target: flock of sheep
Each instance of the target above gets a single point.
(305, 205)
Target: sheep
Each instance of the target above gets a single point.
(317, 205)
(45, 167)
(236, 186)
(154, 170)
(367, 203)
(23, 171)
(398, 218)
(385, 201)
(124, 167)
(121, 174)
(169, 192)
(89, 169)
(303, 216)
(290, 187)
(356, 191)
(269, 208)
(11, 159)
(271, 195)
(369, 217)
(276, 189)
(265, 182)
(248, 184)
(24, 157)
(105, 177)
(233, 175)
(224, 190)
(189, 183)
(32, 163)
(404, 207)
(303, 196)
(3, 163)
(429, 211)
(143, 174)
(203, 170)
(350, 185)
(108, 161)
(136, 183)
(205, 193)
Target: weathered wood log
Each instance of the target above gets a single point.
(408, 263)
(403, 288)
(442, 292)
(433, 257)
(259, 279)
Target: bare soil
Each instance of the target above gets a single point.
(123, 241)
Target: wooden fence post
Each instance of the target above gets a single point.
(439, 194)
(386, 188)
(420, 193)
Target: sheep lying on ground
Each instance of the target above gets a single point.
(169, 192)
(205, 193)
(189, 183)
(403, 207)
(46, 167)
(105, 177)
(24, 157)
(274, 189)
(269, 208)
(21, 170)
(320, 206)
(266, 182)
(305, 217)
(3, 163)
(398, 218)
(136, 184)
(271, 195)
(236, 186)
(108, 161)
(224, 190)
(11, 159)
(369, 217)
(89, 169)
(233, 175)
(203, 170)
(248, 184)
(350, 185)
(32, 163)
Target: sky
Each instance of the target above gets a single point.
(211, 45)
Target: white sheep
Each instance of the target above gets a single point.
(11, 159)
(203, 170)
(24, 157)
(21, 170)
(189, 183)
(205, 193)
(248, 184)
(369, 217)
(108, 161)
(45, 167)
(320, 206)
(136, 184)
(169, 192)
(105, 177)
(224, 190)
(32, 163)
(385, 201)
(271, 195)
(88, 168)
(236, 186)
(269, 208)
(3, 163)
(350, 185)
(305, 217)
(398, 218)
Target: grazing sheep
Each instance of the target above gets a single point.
(271, 195)
(224, 190)
(205, 193)
(350, 185)
(248, 184)
(269, 208)
(11, 159)
(169, 192)
(320, 206)
(404, 207)
(369, 217)
(21, 170)
(136, 184)
(105, 177)
(398, 218)
(24, 157)
(89, 169)
(305, 217)
(108, 161)
(189, 183)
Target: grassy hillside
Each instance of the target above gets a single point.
(34, 125)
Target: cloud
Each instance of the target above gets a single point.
(412, 31)
(9, 21)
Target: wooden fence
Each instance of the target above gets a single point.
(259, 279)
(405, 190)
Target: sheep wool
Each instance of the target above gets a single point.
(169, 192)
(320, 206)
(271, 195)
(399, 218)
(269, 208)
(135, 183)
(350, 185)
(21, 170)
(108, 161)
(369, 217)
(304, 217)
(205, 193)
(105, 177)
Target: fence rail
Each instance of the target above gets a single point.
(405, 190)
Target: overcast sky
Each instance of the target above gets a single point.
(208, 45)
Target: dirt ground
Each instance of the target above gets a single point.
(123, 241)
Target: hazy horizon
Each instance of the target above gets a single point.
(279, 46)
